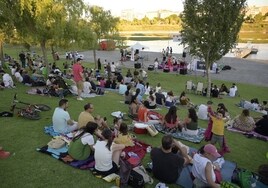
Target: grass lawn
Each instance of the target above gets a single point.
(28, 168)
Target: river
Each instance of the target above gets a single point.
(158, 45)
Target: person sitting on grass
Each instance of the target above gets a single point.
(133, 107)
(243, 122)
(62, 122)
(262, 126)
(203, 168)
(170, 100)
(160, 98)
(190, 124)
(152, 101)
(171, 120)
(128, 94)
(107, 154)
(223, 90)
(167, 166)
(116, 125)
(81, 146)
(123, 137)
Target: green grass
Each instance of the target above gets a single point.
(29, 168)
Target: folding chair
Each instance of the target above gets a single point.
(189, 85)
(199, 88)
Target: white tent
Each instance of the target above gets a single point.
(139, 46)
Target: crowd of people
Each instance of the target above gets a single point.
(94, 137)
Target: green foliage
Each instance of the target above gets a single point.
(210, 28)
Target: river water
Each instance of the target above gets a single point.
(159, 45)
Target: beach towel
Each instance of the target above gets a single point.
(61, 154)
(195, 139)
(249, 134)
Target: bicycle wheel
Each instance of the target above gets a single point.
(30, 115)
(42, 107)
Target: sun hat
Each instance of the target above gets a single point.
(211, 149)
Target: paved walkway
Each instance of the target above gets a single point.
(243, 70)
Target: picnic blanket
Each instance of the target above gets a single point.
(250, 134)
(195, 139)
(185, 179)
(36, 91)
(61, 154)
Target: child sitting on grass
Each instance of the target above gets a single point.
(123, 137)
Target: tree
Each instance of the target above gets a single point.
(103, 24)
(210, 28)
(44, 21)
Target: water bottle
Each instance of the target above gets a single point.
(253, 181)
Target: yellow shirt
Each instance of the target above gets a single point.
(124, 139)
(218, 126)
(84, 118)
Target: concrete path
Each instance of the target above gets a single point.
(243, 70)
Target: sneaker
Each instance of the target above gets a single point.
(80, 99)
(4, 154)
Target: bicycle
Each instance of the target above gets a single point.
(31, 111)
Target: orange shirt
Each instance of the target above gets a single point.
(141, 114)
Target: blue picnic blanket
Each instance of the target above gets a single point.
(195, 139)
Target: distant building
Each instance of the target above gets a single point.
(152, 15)
(127, 14)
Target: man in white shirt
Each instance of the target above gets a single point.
(87, 86)
(18, 76)
(62, 122)
(8, 81)
(232, 91)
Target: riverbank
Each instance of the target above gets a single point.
(243, 70)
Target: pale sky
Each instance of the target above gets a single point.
(116, 6)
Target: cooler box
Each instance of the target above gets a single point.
(140, 128)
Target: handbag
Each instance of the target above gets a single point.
(152, 130)
(141, 170)
(56, 143)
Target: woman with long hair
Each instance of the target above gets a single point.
(243, 122)
(107, 154)
(171, 120)
(81, 147)
(190, 123)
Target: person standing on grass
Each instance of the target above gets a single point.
(62, 122)
(78, 77)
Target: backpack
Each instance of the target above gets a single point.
(135, 179)
(226, 184)
(242, 177)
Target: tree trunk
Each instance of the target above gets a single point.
(43, 47)
(1, 52)
(208, 81)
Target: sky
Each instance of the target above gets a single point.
(116, 6)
